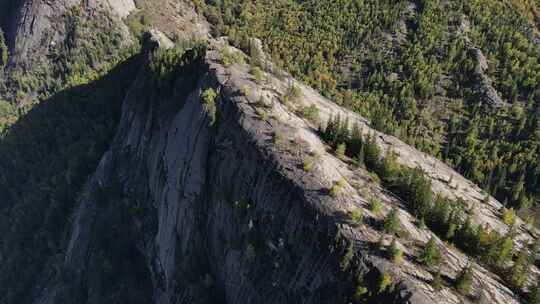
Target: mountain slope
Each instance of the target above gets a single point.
(198, 174)
(456, 79)
(219, 177)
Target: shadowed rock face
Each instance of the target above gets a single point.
(25, 31)
(32, 26)
(233, 195)
(267, 239)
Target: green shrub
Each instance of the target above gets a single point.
(230, 57)
(391, 222)
(308, 164)
(336, 189)
(375, 206)
(385, 282)
(534, 294)
(263, 113)
(340, 151)
(360, 292)
(138, 23)
(244, 89)
(278, 137)
(311, 113)
(431, 255)
(209, 104)
(257, 73)
(509, 217)
(347, 257)
(396, 253)
(292, 93)
(356, 217)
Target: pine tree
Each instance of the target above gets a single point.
(500, 251)
(518, 188)
(396, 253)
(505, 250)
(340, 150)
(466, 235)
(534, 294)
(391, 223)
(343, 132)
(465, 280)
(389, 167)
(437, 282)
(372, 153)
(519, 272)
(355, 141)
(330, 131)
(431, 256)
(451, 232)
(360, 158)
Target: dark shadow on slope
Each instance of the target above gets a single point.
(45, 159)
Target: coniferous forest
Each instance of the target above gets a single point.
(418, 72)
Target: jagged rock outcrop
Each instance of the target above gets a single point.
(484, 84)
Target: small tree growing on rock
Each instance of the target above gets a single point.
(431, 256)
(340, 150)
(385, 282)
(375, 206)
(337, 188)
(519, 272)
(509, 217)
(356, 217)
(534, 294)
(465, 280)
(209, 104)
(396, 253)
(437, 282)
(391, 223)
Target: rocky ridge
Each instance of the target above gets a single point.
(268, 227)
(235, 187)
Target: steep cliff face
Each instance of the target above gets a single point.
(219, 207)
(32, 27)
(216, 188)
(220, 187)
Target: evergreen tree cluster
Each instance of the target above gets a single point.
(447, 218)
(400, 82)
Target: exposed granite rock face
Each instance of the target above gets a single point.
(32, 27)
(194, 179)
(269, 230)
(122, 7)
(26, 36)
